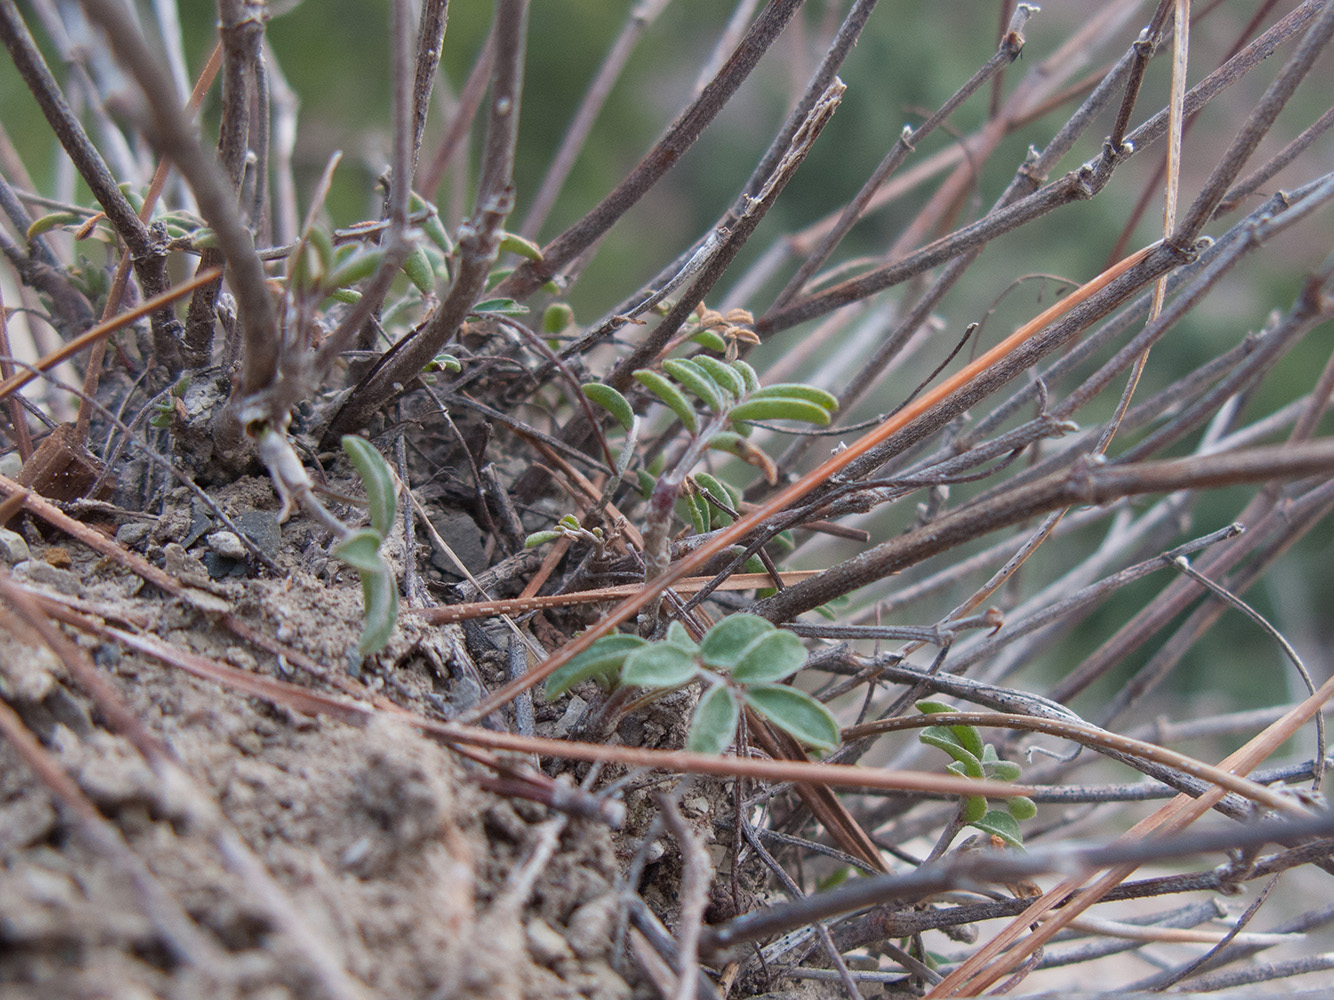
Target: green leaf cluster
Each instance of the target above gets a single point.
(975, 759)
(361, 549)
(742, 661)
(729, 391)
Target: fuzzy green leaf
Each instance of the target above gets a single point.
(499, 307)
(720, 492)
(1001, 824)
(943, 739)
(431, 224)
(697, 511)
(417, 266)
(968, 737)
(974, 808)
(50, 221)
(353, 268)
(660, 665)
(1021, 807)
(710, 341)
(748, 376)
(714, 725)
(796, 713)
(611, 401)
(602, 659)
(797, 390)
(379, 593)
(723, 645)
(556, 317)
(512, 243)
(381, 490)
(781, 408)
(697, 381)
(361, 551)
(680, 638)
(1002, 770)
(670, 395)
(722, 374)
(541, 538)
(770, 658)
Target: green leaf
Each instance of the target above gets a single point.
(719, 492)
(796, 713)
(974, 808)
(602, 659)
(680, 638)
(512, 243)
(499, 307)
(379, 593)
(660, 665)
(698, 510)
(431, 225)
(361, 551)
(204, 239)
(1002, 770)
(353, 268)
(541, 538)
(968, 737)
(556, 317)
(417, 266)
(697, 381)
(1001, 824)
(714, 725)
(381, 490)
(611, 401)
(797, 390)
(443, 363)
(723, 645)
(770, 658)
(671, 395)
(722, 375)
(747, 373)
(780, 408)
(932, 707)
(52, 220)
(646, 482)
(1021, 807)
(710, 340)
(943, 739)
(497, 276)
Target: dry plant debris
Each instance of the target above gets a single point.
(774, 627)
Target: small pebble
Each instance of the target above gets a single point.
(227, 544)
(13, 549)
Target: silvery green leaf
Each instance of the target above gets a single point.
(678, 636)
(660, 665)
(417, 266)
(942, 738)
(1021, 807)
(714, 725)
(796, 713)
(611, 401)
(512, 243)
(671, 395)
(602, 659)
(722, 374)
(710, 340)
(769, 659)
(377, 478)
(1001, 824)
(694, 378)
(798, 390)
(499, 307)
(747, 373)
(780, 408)
(974, 808)
(723, 645)
(541, 538)
(1002, 770)
(361, 551)
(379, 592)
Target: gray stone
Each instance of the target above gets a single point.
(13, 549)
